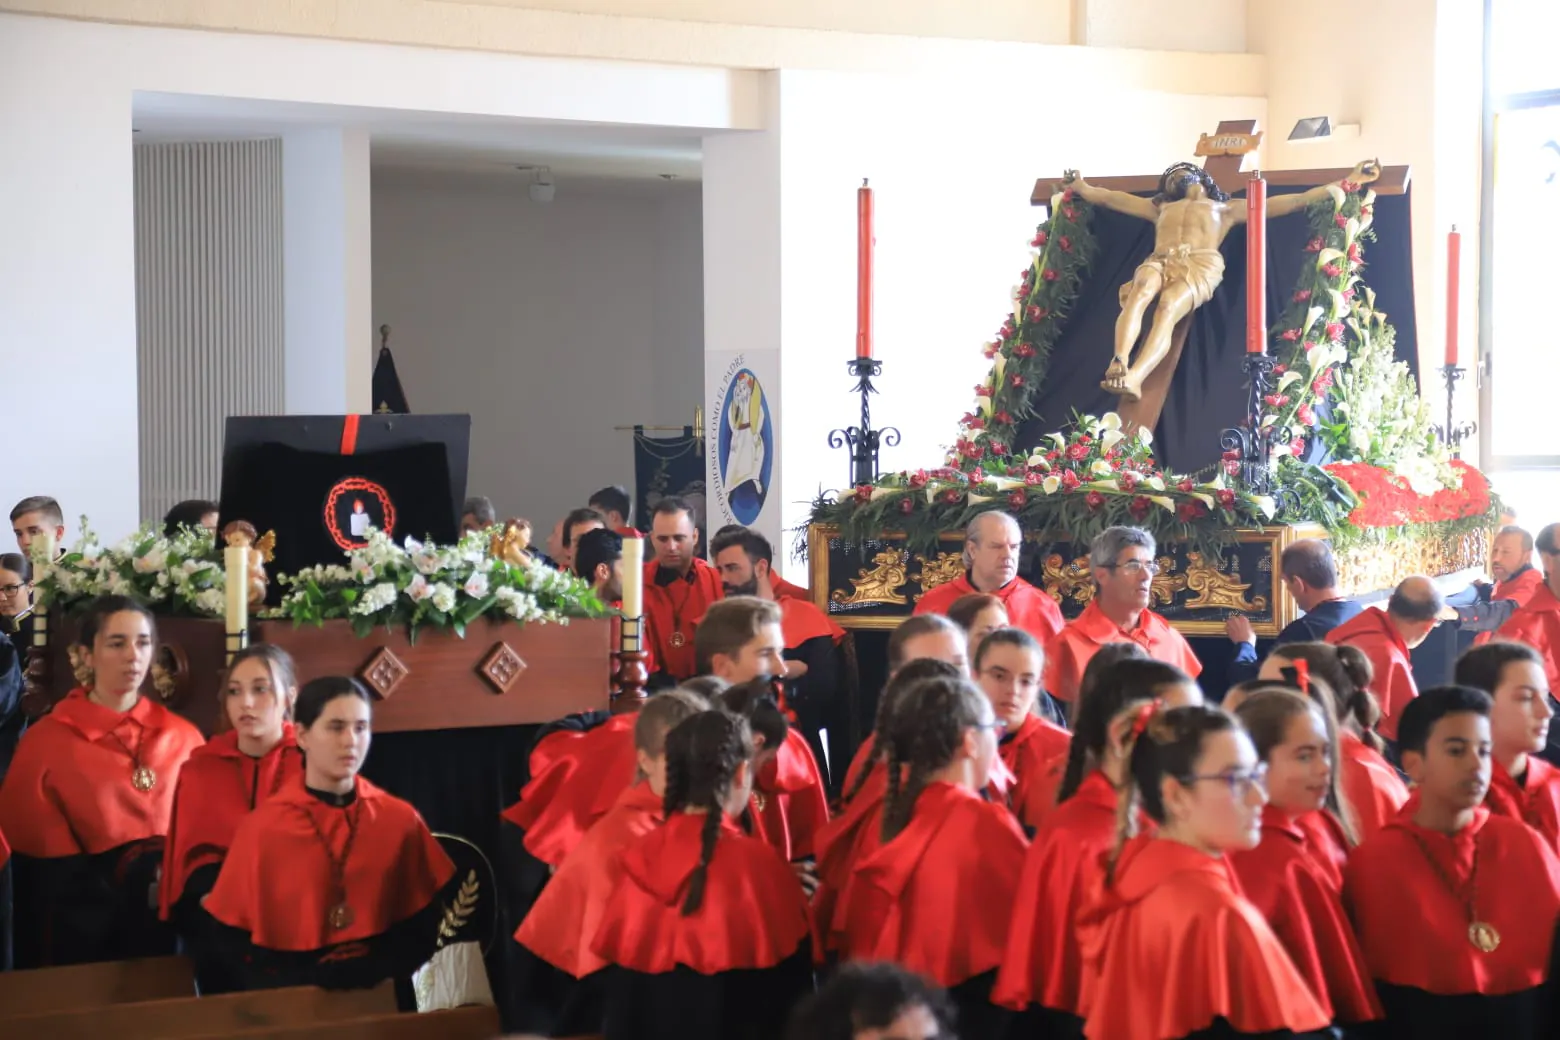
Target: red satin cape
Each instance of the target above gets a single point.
(859, 761)
(1414, 930)
(1043, 963)
(1536, 802)
(1297, 888)
(276, 883)
(938, 898)
(1370, 785)
(1537, 623)
(1068, 654)
(1028, 608)
(1029, 755)
(576, 778)
(795, 800)
(1174, 916)
(563, 921)
(218, 787)
(677, 607)
(754, 914)
(842, 843)
(1372, 633)
(800, 621)
(69, 788)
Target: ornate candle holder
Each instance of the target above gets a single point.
(1452, 435)
(1252, 440)
(632, 674)
(863, 441)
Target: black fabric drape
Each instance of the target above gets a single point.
(1208, 392)
(387, 392)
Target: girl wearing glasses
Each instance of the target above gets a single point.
(937, 896)
(16, 620)
(1043, 968)
(1293, 877)
(1007, 667)
(1169, 908)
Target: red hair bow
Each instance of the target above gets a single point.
(1145, 715)
(1302, 670)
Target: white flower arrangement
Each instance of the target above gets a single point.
(180, 574)
(424, 585)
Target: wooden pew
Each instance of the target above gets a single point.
(43, 990)
(205, 1016)
(467, 1023)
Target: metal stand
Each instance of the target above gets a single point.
(863, 441)
(1453, 435)
(1251, 441)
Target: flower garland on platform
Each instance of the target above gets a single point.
(180, 574)
(1387, 500)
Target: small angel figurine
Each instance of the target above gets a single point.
(513, 543)
(240, 534)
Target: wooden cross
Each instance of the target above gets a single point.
(1224, 165)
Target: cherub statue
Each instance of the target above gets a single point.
(240, 534)
(512, 544)
(1191, 216)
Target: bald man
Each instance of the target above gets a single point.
(1537, 622)
(992, 542)
(1387, 637)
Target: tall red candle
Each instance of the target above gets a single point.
(864, 243)
(1453, 274)
(1256, 265)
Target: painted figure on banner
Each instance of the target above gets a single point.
(746, 439)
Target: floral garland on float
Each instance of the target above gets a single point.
(179, 575)
(1337, 380)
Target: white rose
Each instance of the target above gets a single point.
(154, 560)
(477, 585)
(419, 589)
(443, 597)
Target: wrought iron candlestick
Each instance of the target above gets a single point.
(863, 441)
(1452, 435)
(1252, 440)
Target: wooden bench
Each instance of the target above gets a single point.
(206, 1016)
(97, 985)
(467, 1023)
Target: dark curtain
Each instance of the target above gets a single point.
(1208, 392)
(668, 466)
(388, 395)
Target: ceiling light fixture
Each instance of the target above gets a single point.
(542, 187)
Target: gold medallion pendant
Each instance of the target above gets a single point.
(1483, 936)
(677, 640)
(341, 916)
(143, 779)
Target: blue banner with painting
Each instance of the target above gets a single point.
(667, 466)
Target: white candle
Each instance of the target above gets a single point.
(237, 561)
(633, 576)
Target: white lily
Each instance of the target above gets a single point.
(1145, 436)
(1101, 468)
(1050, 484)
(1110, 438)
(1038, 461)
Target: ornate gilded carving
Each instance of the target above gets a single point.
(1067, 579)
(1377, 567)
(384, 672)
(881, 584)
(945, 568)
(1166, 584)
(1216, 590)
(501, 667)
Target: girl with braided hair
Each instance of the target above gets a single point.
(935, 898)
(1293, 876)
(790, 799)
(708, 934)
(1169, 909)
(1043, 966)
(1371, 787)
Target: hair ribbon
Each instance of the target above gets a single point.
(1145, 715)
(1300, 672)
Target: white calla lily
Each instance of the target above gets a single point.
(1050, 484)
(1163, 500)
(1101, 468)
(1155, 483)
(1110, 438)
(1004, 483)
(1039, 461)
(1145, 436)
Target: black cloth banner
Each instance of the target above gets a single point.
(667, 466)
(1208, 391)
(387, 392)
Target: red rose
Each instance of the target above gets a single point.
(1302, 296)
(1314, 246)
(1231, 466)
(1139, 507)
(1306, 416)
(1276, 400)
(983, 391)
(1186, 512)
(1226, 499)
(1129, 480)
(1069, 213)
(1017, 380)
(952, 497)
(1050, 274)
(1279, 370)
(1034, 477)
(907, 505)
(1354, 253)
(1077, 452)
(1039, 239)
(1348, 186)
(1332, 270)
(1033, 312)
(1094, 499)
(1290, 335)
(1002, 417)
(1186, 484)
(1297, 446)
(1069, 195)
(1322, 383)
(990, 350)
(918, 479)
(1335, 330)
(977, 423)
(1070, 480)
(1065, 243)
(1341, 220)
(1024, 350)
(977, 475)
(863, 494)
(998, 448)
(1017, 500)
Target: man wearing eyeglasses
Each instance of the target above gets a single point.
(1123, 565)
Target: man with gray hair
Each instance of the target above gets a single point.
(1387, 636)
(992, 543)
(1123, 564)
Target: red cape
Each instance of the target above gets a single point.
(1414, 931)
(677, 608)
(1043, 963)
(276, 882)
(754, 914)
(1327, 843)
(784, 591)
(841, 844)
(1537, 623)
(1371, 632)
(859, 761)
(576, 778)
(218, 787)
(795, 802)
(1536, 802)
(565, 917)
(1029, 755)
(1296, 887)
(1371, 786)
(1069, 653)
(801, 621)
(68, 790)
(1028, 608)
(938, 898)
(1521, 588)
(1175, 916)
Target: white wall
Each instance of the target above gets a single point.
(550, 324)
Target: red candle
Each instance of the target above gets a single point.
(1453, 271)
(1256, 265)
(864, 243)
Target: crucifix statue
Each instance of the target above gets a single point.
(1192, 214)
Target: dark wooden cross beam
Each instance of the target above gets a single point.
(1227, 173)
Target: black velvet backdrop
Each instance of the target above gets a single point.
(1208, 391)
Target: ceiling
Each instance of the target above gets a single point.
(430, 144)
